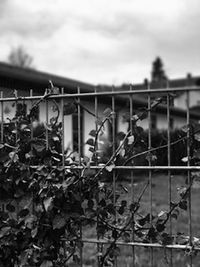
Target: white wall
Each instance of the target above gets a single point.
(9, 109)
(194, 98)
(52, 113)
(89, 120)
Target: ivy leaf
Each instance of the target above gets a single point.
(185, 128)
(162, 213)
(46, 263)
(69, 109)
(183, 205)
(114, 234)
(23, 213)
(91, 149)
(166, 239)
(98, 121)
(109, 168)
(30, 221)
(39, 147)
(48, 203)
(4, 231)
(134, 206)
(58, 222)
(34, 232)
(143, 115)
(10, 207)
(55, 138)
(144, 220)
(182, 191)
(2, 146)
(160, 227)
(13, 156)
(121, 210)
(90, 142)
(154, 104)
(182, 239)
(152, 234)
(175, 214)
(122, 152)
(197, 137)
(93, 133)
(185, 159)
(4, 215)
(107, 112)
(124, 203)
(135, 118)
(131, 139)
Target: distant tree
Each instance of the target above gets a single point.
(19, 57)
(158, 72)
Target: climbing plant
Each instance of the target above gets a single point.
(48, 195)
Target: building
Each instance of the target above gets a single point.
(31, 82)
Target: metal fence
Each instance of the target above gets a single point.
(134, 252)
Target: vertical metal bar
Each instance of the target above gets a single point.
(96, 124)
(113, 145)
(189, 174)
(31, 94)
(47, 121)
(79, 152)
(113, 151)
(169, 172)
(31, 126)
(99, 246)
(2, 119)
(150, 172)
(16, 123)
(79, 127)
(63, 147)
(62, 130)
(132, 181)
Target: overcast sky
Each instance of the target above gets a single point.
(104, 41)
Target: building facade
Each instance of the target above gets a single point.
(16, 82)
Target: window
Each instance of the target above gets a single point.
(153, 121)
(171, 124)
(75, 131)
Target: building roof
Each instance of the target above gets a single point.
(24, 79)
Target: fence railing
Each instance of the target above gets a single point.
(156, 182)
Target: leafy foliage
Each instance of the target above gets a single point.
(48, 200)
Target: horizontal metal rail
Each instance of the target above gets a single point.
(159, 168)
(140, 244)
(112, 93)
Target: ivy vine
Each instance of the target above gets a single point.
(47, 200)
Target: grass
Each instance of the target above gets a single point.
(159, 203)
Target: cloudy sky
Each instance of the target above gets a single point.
(104, 41)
